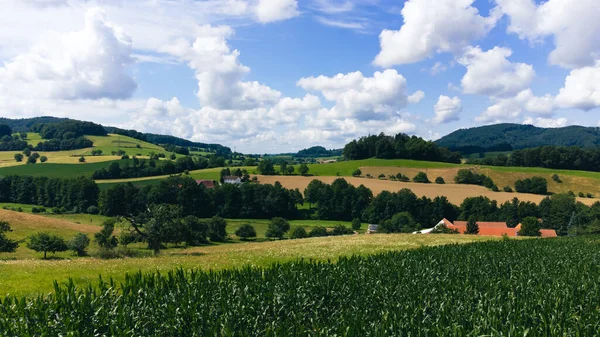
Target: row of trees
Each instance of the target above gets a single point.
(68, 129)
(400, 146)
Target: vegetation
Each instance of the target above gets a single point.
(472, 226)
(45, 242)
(79, 244)
(421, 177)
(6, 245)
(401, 222)
(530, 226)
(440, 180)
(359, 310)
(298, 233)
(246, 232)
(318, 151)
(466, 176)
(277, 228)
(535, 185)
(400, 146)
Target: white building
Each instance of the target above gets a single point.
(232, 180)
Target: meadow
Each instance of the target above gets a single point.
(503, 288)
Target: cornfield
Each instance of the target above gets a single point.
(543, 287)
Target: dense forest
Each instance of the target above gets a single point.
(554, 157)
(499, 137)
(336, 201)
(24, 124)
(318, 151)
(400, 146)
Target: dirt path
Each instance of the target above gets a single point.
(454, 192)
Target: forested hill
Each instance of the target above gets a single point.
(34, 124)
(503, 137)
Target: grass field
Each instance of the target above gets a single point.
(29, 277)
(53, 170)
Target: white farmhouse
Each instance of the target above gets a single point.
(232, 180)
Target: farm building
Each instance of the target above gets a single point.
(232, 180)
(488, 228)
(206, 183)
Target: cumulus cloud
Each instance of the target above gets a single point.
(92, 63)
(447, 110)
(581, 89)
(432, 26)
(416, 97)
(276, 10)
(490, 73)
(546, 122)
(574, 26)
(509, 109)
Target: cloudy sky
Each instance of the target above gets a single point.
(268, 76)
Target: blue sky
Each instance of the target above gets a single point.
(268, 76)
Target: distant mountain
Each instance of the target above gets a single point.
(318, 151)
(503, 137)
(25, 125)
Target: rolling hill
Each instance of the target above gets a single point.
(518, 136)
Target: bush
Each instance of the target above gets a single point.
(18, 157)
(439, 180)
(43, 159)
(443, 229)
(356, 224)
(93, 210)
(36, 210)
(82, 159)
(35, 155)
(341, 230)
(421, 177)
(507, 189)
(581, 195)
(79, 244)
(556, 178)
(369, 176)
(357, 173)
(44, 242)
(105, 238)
(128, 237)
(590, 195)
(381, 176)
(298, 233)
(466, 176)
(318, 231)
(402, 222)
(535, 185)
(277, 228)
(27, 152)
(57, 210)
(31, 160)
(246, 232)
(530, 226)
(217, 229)
(124, 157)
(402, 177)
(6, 245)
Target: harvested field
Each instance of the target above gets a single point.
(454, 192)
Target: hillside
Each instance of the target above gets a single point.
(518, 136)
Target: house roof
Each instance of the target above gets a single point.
(484, 224)
(206, 183)
(548, 233)
(231, 178)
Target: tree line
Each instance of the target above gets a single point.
(400, 146)
(135, 168)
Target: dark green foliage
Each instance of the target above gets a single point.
(18, 157)
(35, 155)
(43, 159)
(507, 189)
(93, 210)
(6, 245)
(440, 180)
(466, 176)
(381, 176)
(246, 232)
(36, 210)
(298, 233)
(318, 231)
(581, 195)
(105, 238)
(341, 230)
(68, 129)
(79, 244)
(472, 226)
(128, 237)
(556, 178)
(535, 185)
(400, 146)
(217, 229)
(443, 229)
(147, 168)
(338, 201)
(356, 173)
(31, 160)
(44, 242)
(82, 159)
(303, 169)
(277, 228)
(356, 224)
(27, 152)
(454, 290)
(318, 151)
(402, 177)
(421, 177)
(402, 222)
(5, 130)
(530, 226)
(266, 167)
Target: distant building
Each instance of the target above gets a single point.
(372, 229)
(206, 183)
(232, 180)
(487, 228)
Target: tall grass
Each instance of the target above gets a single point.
(509, 288)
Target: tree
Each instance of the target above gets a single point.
(356, 224)
(23, 135)
(439, 180)
(35, 155)
(217, 229)
(159, 225)
(507, 189)
(44, 242)
(318, 231)
(298, 233)
(245, 232)
(283, 168)
(277, 228)
(79, 244)
(357, 173)
(173, 156)
(530, 226)
(82, 159)
(472, 226)
(105, 238)
(290, 170)
(31, 160)
(266, 167)
(421, 177)
(27, 152)
(402, 222)
(6, 245)
(5, 130)
(18, 157)
(303, 169)
(43, 159)
(556, 178)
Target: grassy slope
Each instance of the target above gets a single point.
(28, 277)
(54, 170)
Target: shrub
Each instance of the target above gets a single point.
(93, 210)
(18, 157)
(402, 177)
(38, 210)
(421, 177)
(581, 195)
(356, 224)
(105, 238)
(590, 195)
(35, 155)
(124, 157)
(472, 227)
(217, 229)
(402, 222)
(369, 176)
(57, 210)
(443, 229)
(82, 159)
(530, 226)
(341, 230)
(299, 233)
(43, 159)
(246, 232)
(27, 152)
(381, 176)
(79, 244)
(535, 185)
(277, 228)
(318, 231)
(128, 237)
(31, 160)
(439, 180)
(556, 178)
(507, 189)
(466, 176)
(6, 245)
(44, 242)
(357, 173)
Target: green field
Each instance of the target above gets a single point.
(345, 168)
(540, 287)
(112, 142)
(53, 170)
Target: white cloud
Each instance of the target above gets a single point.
(341, 23)
(91, 63)
(581, 89)
(276, 10)
(437, 68)
(416, 97)
(546, 122)
(509, 109)
(333, 6)
(490, 73)
(356, 96)
(573, 25)
(447, 110)
(432, 26)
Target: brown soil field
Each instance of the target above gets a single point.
(454, 192)
(24, 224)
